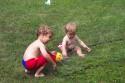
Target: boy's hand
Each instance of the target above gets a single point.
(88, 49)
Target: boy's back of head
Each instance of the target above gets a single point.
(44, 30)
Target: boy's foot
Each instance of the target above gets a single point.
(26, 71)
(39, 75)
(82, 55)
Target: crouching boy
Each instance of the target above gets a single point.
(36, 55)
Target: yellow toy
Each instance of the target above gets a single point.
(59, 57)
(56, 56)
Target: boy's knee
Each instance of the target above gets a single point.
(77, 49)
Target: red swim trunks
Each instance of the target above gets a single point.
(35, 63)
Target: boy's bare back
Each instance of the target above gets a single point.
(34, 50)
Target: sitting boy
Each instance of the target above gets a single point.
(71, 42)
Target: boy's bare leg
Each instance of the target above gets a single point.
(39, 73)
(26, 71)
(79, 52)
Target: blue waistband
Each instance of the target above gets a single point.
(24, 63)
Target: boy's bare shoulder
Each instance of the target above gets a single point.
(37, 43)
(76, 37)
(65, 37)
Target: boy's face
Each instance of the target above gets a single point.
(71, 35)
(46, 38)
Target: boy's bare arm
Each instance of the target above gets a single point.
(64, 52)
(46, 55)
(83, 44)
(50, 60)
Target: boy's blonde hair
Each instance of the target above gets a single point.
(70, 27)
(44, 30)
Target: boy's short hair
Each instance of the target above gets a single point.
(44, 30)
(70, 27)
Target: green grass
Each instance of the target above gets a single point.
(100, 25)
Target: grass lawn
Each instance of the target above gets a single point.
(101, 25)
